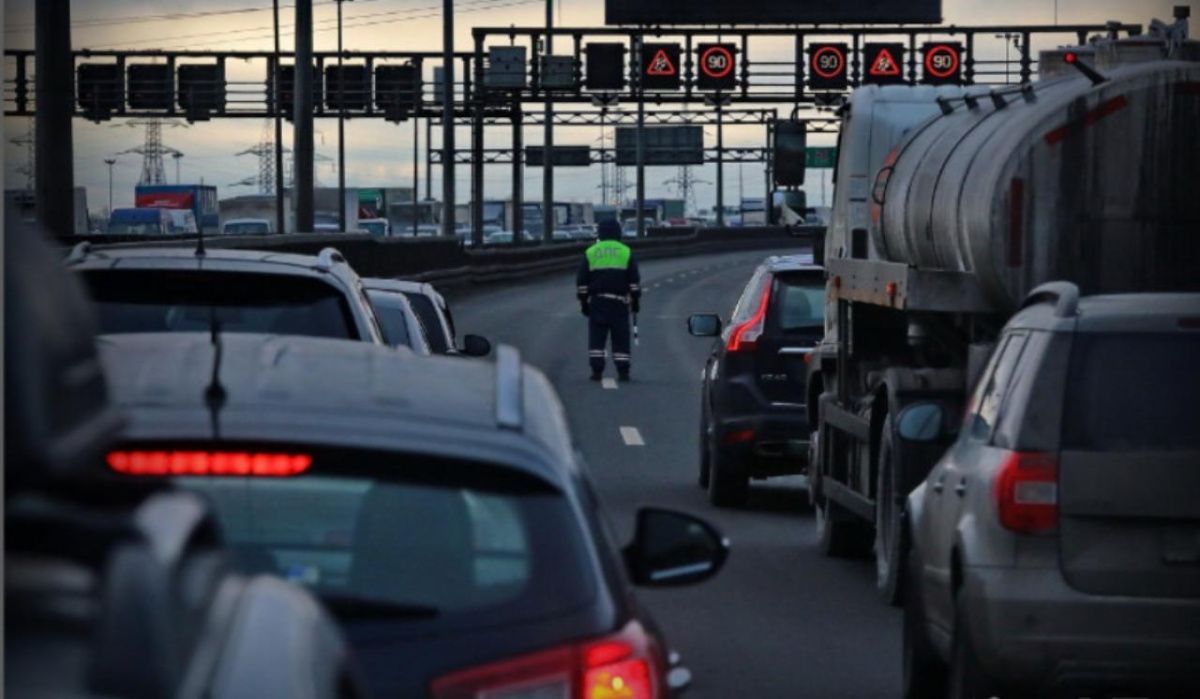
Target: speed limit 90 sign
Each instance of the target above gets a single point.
(716, 62)
(827, 66)
(942, 63)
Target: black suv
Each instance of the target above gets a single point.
(438, 507)
(148, 288)
(753, 414)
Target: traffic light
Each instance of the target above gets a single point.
(287, 89)
(397, 90)
(349, 87)
(101, 90)
(790, 154)
(201, 90)
(151, 86)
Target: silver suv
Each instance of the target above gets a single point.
(1056, 545)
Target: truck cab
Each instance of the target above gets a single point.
(142, 222)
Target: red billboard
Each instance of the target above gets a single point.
(164, 200)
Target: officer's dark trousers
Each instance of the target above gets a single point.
(608, 316)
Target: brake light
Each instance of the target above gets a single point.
(1026, 492)
(738, 436)
(207, 463)
(621, 666)
(744, 337)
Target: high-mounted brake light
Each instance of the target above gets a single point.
(207, 463)
(621, 666)
(744, 337)
(1026, 492)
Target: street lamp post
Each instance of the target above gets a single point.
(178, 157)
(110, 162)
(341, 124)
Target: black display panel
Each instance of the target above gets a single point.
(647, 12)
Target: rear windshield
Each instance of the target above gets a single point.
(430, 321)
(138, 301)
(800, 301)
(1133, 392)
(393, 317)
(452, 553)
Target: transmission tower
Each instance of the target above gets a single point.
(30, 166)
(152, 151)
(685, 184)
(265, 150)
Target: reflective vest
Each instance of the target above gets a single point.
(608, 254)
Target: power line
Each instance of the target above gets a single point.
(405, 15)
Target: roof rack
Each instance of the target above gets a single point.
(79, 253)
(510, 412)
(328, 257)
(1064, 295)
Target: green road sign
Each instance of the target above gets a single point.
(820, 157)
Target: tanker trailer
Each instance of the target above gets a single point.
(951, 204)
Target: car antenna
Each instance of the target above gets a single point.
(214, 395)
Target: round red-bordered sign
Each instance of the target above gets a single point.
(946, 70)
(721, 51)
(816, 62)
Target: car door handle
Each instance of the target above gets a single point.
(961, 489)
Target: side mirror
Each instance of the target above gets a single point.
(705, 325)
(476, 346)
(672, 548)
(922, 422)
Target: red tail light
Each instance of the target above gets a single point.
(621, 666)
(738, 436)
(745, 336)
(1026, 491)
(207, 463)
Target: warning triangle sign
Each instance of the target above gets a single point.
(885, 64)
(661, 64)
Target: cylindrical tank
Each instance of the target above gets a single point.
(1096, 184)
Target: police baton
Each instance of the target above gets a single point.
(635, 330)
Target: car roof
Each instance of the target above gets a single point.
(400, 285)
(149, 256)
(336, 393)
(1141, 312)
(799, 262)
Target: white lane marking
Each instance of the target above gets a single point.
(609, 383)
(632, 437)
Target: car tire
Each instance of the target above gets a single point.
(705, 449)
(890, 541)
(838, 534)
(728, 483)
(923, 673)
(966, 679)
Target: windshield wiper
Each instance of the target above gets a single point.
(354, 607)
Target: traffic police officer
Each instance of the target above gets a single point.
(608, 287)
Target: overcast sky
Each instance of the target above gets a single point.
(379, 154)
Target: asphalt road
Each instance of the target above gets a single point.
(781, 620)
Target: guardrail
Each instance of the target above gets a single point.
(448, 263)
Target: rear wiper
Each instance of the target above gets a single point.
(354, 607)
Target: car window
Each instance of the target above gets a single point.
(392, 313)
(137, 301)
(799, 302)
(1129, 392)
(748, 302)
(491, 555)
(430, 322)
(993, 387)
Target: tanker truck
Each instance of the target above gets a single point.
(951, 204)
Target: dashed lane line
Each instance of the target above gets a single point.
(632, 437)
(609, 383)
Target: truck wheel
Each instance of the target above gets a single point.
(838, 534)
(705, 448)
(728, 483)
(923, 673)
(966, 678)
(890, 541)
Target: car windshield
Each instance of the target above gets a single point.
(247, 228)
(452, 552)
(801, 302)
(138, 301)
(431, 321)
(1130, 392)
(392, 313)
